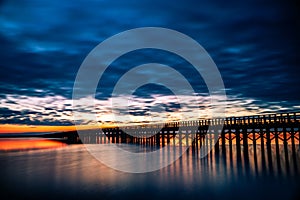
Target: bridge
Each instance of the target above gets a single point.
(273, 128)
(262, 136)
(263, 130)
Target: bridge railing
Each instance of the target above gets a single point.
(257, 119)
(264, 119)
(246, 120)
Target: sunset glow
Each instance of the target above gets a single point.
(14, 128)
(17, 128)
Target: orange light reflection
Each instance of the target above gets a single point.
(28, 144)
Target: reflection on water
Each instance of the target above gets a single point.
(226, 172)
(21, 144)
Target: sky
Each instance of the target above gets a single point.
(255, 45)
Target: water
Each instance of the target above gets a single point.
(70, 172)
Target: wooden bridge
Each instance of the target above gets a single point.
(258, 130)
(271, 141)
(261, 129)
(266, 138)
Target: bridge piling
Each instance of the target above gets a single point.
(263, 130)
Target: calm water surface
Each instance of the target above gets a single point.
(70, 172)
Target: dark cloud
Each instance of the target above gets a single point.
(25, 117)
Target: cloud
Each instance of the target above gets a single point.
(254, 44)
(58, 110)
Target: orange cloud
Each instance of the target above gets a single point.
(17, 128)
